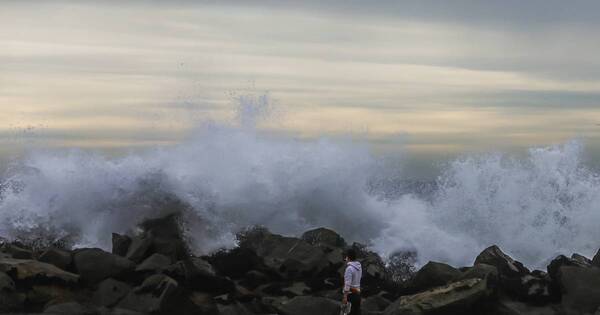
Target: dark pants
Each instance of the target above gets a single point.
(354, 298)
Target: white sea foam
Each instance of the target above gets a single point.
(231, 176)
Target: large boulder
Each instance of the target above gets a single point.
(70, 308)
(596, 259)
(57, 257)
(156, 294)
(563, 260)
(120, 244)
(507, 267)
(95, 265)
(237, 262)
(324, 237)
(304, 305)
(456, 298)
(139, 248)
(110, 292)
(481, 271)
(375, 303)
(10, 300)
(31, 271)
(290, 257)
(167, 237)
(580, 289)
(16, 251)
(434, 274)
(154, 264)
(198, 274)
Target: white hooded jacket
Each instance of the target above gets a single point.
(352, 276)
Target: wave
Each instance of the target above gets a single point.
(225, 177)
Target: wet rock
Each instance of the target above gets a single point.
(16, 251)
(481, 271)
(203, 302)
(39, 295)
(324, 237)
(290, 257)
(236, 262)
(35, 271)
(536, 288)
(509, 307)
(95, 265)
(70, 308)
(155, 294)
(505, 265)
(10, 300)
(375, 303)
(596, 259)
(455, 298)
(154, 263)
(434, 274)
(581, 259)
(165, 234)
(254, 278)
(139, 249)
(580, 289)
(110, 292)
(304, 305)
(296, 289)
(120, 244)
(563, 260)
(234, 309)
(57, 257)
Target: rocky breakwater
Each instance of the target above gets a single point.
(153, 273)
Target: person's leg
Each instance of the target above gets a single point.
(355, 300)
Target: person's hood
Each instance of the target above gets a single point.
(355, 264)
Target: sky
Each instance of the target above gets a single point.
(436, 78)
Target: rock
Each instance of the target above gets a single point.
(290, 257)
(254, 278)
(375, 303)
(17, 252)
(204, 303)
(296, 289)
(506, 266)
(536, 288)
(563, 260)
(120, 244)
(166, 237)
(139, 248)
(596, 259)
(95, 265)
(35, 271)
(434, 274)
(57, 257)
(324, 237)
(309, 305)
(455, 298)
(236, 262)
(155, 294)
(71, 308)
(481, 271)
(110, 292)
(508, 307)
(581, 259)
(198, 274)
(234, 309)
(10, 300)
(154, 263)
(43, 295)
(580, 288)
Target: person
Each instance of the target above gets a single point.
(352, 276)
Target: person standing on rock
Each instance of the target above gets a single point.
(352, 277)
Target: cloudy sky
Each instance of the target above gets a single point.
(441, 77)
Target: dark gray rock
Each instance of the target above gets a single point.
(16, 251)
(580, 289)
(154, 263)
(10, 300)
(596, 259)
(505, 265)
(455, 298)
(30, 271)
(305, 305)
(57, 257)
(198, 274)
(481, 271)
(563, 260)
(155, 294)
(324, 237)
(167, 238)
(110, 292)
(120, 244)
(434, 274)
(70, 308)
(95, 265)
(375, 303)
(139, 249)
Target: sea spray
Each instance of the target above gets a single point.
(224, 177)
